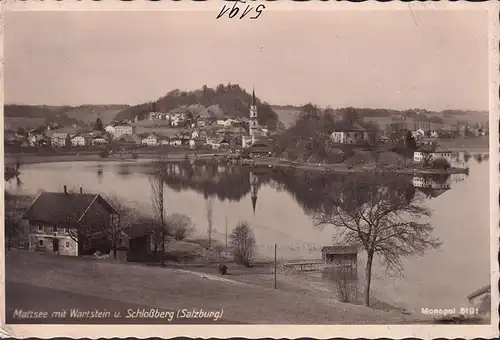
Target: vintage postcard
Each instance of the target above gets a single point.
(250, 168)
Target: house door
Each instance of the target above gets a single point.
(55, 245)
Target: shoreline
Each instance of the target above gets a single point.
(271, 163)
(10, 159)
(341, 168)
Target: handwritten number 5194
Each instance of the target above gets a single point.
(235, 9)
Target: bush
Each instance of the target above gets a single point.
(243, 243)
(345, 282)
(441, 163)
(180, 225)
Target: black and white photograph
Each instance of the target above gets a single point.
(295, 167)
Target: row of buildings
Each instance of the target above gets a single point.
(221, 133)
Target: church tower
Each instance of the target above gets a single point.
(254, 187)
(254, 123)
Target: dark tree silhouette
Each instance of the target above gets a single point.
(380, 219)
(98, 126)
(157, 197)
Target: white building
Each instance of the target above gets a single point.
(122, 128)
(151, 140)
(355, 135)
(246, 141)
(98, 141)
(422, 156)
(58, 139)
(110, 129)
(176, 141)
(78, 140)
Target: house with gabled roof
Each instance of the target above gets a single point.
(341, 260)
(66, 223)
(122, 128)
(78, 140)
(59, 139)
(150, 140)
(354, 135)
(481, 300)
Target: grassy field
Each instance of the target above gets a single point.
(89, 113)
(13, 123)
(287, 115)
(172, 289)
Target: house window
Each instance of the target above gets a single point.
(55, 228)
(40, 242)
(67, 244)
(40, 228)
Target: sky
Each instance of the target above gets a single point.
(379, 59)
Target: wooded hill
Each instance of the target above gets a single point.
(223, 101)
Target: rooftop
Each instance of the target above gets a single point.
(340, 250)
(485, 289)
(60, 207)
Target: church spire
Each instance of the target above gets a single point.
(254, 203)
(253, 96)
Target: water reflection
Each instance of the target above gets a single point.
(99, 172)
(309, 189)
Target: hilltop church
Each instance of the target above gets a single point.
(256, 143)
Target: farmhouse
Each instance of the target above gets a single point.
(356, 135)
(66, 223)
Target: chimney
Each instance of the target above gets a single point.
(81, 190)
(65, 190)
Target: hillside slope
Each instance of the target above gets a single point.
(32, 116)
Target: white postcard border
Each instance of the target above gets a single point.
(288, 331)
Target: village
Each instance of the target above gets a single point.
(89, 225)
(176, 128)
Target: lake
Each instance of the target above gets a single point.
(283, 206)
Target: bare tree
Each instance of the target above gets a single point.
(157, 197)
(382, 218)
(210, 205)
(180, 226)
(119, 221)
(242, 241)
